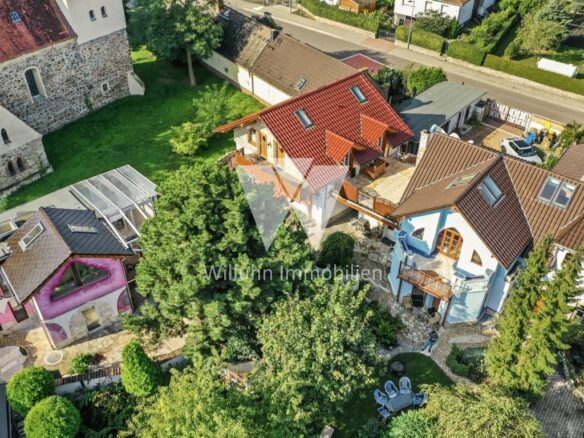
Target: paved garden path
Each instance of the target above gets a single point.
(560, 410)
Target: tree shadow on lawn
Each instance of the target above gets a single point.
(362, 407)
(134, 130)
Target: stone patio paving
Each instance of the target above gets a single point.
(108, 343)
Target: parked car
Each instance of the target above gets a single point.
(518, 147)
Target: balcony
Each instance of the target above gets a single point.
(367, 201)
(427, 281)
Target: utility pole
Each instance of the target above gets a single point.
(413, 3)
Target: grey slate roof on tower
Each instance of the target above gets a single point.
(436, 105)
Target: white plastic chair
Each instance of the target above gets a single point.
(405, 385)
(391, 389)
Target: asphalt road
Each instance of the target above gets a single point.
(555, 107)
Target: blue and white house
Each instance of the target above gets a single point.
(468, 219)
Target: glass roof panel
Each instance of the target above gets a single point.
(124, 186)
(138, 179)
(110, 193)
(90, 193)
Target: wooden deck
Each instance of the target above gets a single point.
(428, 281)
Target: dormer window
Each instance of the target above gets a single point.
(31, 236)
(306, 122)
(15, 17)
(490, 191)
(92, 15)
(556, 192)
(103, 12)
(5, 137)
(358, 94)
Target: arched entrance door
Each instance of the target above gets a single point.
(449, 243)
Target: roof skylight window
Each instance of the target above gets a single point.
(87, 229)
(557, 192)
(358, 94)
(306, 122)
(461, 181)
(490, 191)
(31, 236)
(15, 17)
(300, 84)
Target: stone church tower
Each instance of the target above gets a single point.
(59, 60)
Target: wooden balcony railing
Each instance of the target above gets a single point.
(367, 199)
(374, 170)
(428, 281)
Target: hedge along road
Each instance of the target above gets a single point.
(341, 43)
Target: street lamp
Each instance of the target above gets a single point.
(413, 3)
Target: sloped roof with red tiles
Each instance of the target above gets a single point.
(335, 108)
(336, 146)
(518, 221)
(360, 61)
(29, 25)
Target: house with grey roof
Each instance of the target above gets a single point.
(446, 105)
(72, 269)
(468, 219)
(267, 63)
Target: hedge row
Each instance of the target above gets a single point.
(466, 51)
(508, 27)
(421, 38)
(316, 7)
(534, 74)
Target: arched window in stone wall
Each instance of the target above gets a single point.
(34, 82)
(11, 170)
(91, 15)
(4, 135)
(20, 164)
(103, 12)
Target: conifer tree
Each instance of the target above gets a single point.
(549, 326)
(513, 325)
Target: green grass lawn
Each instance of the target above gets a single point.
(419, 368)
(134, 130)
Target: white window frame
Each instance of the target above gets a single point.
(32, 235)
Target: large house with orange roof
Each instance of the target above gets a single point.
(325, 137)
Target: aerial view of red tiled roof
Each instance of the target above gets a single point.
(360, 61)
(351, 108)
(29, 25)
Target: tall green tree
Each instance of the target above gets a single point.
(503, 351)
(478, 411)
(421, 78)
(205, 268)
(196, 403)
(169, 27)
(317, 353)
(549, 326)
(538, 37)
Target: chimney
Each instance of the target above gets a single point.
(274, 34)
(424, 137)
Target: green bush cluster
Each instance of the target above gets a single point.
(467, 363)
(28, 387)
(53, 417)
(368, 22)
(534, 74)
(421, 38)
(384, 325)
(336, 250)
(141, 376)
(492, 29)
(466, 51)
(80, 363)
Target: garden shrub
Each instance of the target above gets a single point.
(80, 363)
(105, 410)
(467, 363)
(336, 250)
(53, 417)
(492, 29)
(411, 424)
(367, 22)
(421, 78)
(421, 38)
(384, 325)
(466, 51)
(28, 387)
(238, 348)
(140, 374)
(533, 73)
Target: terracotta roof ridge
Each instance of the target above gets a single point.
(228, 126)
(564, 229)
(43, 212)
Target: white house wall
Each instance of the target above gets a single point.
(267, 92)
(77, 14)
(404, 7)
(233, 72)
